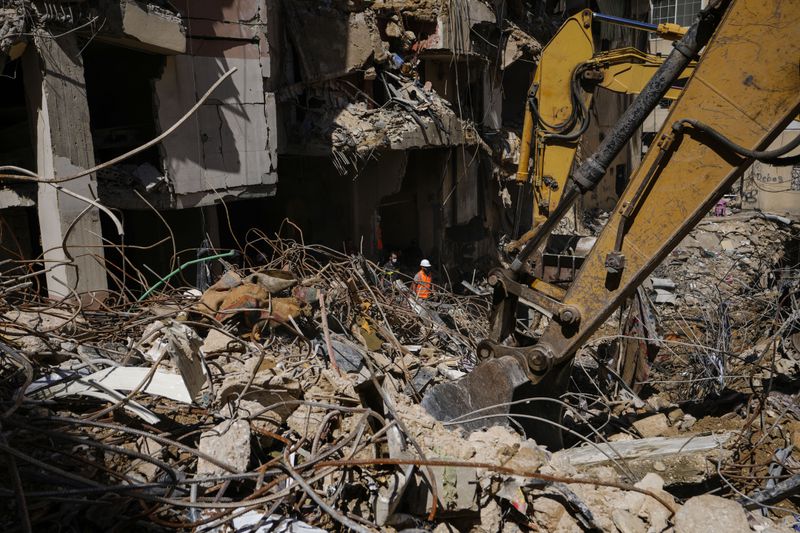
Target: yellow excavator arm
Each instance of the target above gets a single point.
(743, 93)
(559, 97)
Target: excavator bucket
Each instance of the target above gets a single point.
(498, 392)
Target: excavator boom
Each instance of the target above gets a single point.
(556, 114)
(743, 93)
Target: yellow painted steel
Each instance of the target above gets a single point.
(747, 87)
(668, 30)
(553, 291)
(626, 70)
(571, 46)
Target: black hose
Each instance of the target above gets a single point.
(577, 103)
(772, 157)
(568, 123)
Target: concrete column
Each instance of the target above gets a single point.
(492, 98)
(56, 92)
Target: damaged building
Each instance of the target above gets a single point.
(593, 323)
(403, 118)
(121, 75)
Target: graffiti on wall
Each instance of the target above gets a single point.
(767, 175)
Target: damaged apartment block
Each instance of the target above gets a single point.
(122, 74)
(400, 265)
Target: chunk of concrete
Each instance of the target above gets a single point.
(491, 517)
(706, 240)
(142, 469)
(553, 516)
(627, 523)
(675, 416)
(658, 403)
(152, 30)
(456, 487)
(228, 443)
(710, 514)
(528, 458)
(183, 346)
(646, 507)
(217, 341)
(728, 245)
(306, 420)
(652, 426)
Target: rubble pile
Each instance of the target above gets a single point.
(414, 116)
(287, 396)
(12, 25)
(723, 301)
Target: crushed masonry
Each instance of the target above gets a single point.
(266, 417)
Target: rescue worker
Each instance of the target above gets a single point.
(390, 270)
(423, 286)
(391, 265)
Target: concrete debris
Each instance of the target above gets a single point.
(518, 45)
(12, 29)
(710, 514)
(227, 447)
(414, 116)
(652, 426)
(679, 460)
(230, 395)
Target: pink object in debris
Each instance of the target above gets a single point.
(719, 209)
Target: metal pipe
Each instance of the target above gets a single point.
(628, 23)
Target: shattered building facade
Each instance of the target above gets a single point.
(377, 126)
(371, 125)
(86, 82)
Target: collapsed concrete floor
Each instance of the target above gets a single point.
(287, 396)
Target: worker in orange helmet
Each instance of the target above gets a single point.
(423, 286)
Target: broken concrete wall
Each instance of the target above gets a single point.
(230, 144)
(329, 41)
(70, 225)
(143, 26)
(775, 189)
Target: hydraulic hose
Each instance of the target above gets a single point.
(583, 113)
(578, 112)
(592, 170)
(563, 126)
(773, 157)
